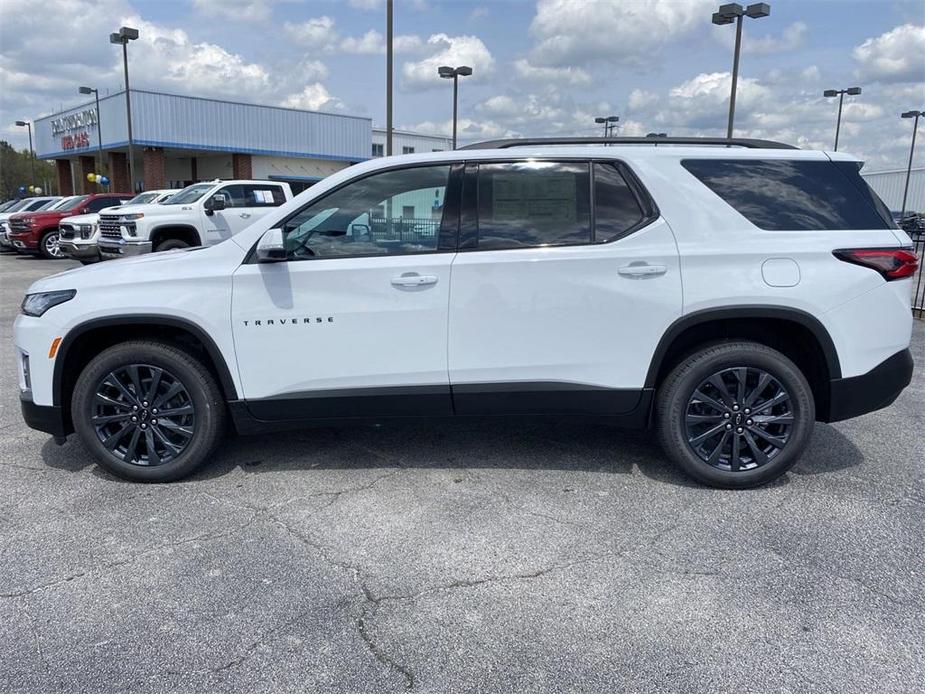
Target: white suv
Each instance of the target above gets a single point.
(730, 296)
(202, 214)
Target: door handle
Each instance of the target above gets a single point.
(642, 270)
(413, 280)
(245, 215)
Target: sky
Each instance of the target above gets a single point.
(543, 67)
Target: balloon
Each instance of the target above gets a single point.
(37, 191)
(22, 189)
(90, 177)
(104, 181)
(97, 178)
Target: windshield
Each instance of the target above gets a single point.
(50, 205)
(58, 204)
(7, 205)
(71, 203)
(190, 194)
(142, 199)
(18, 205)
(36, 205)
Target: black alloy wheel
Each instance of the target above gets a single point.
(739, 419)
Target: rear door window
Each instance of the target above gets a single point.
(616, 209)
(793, 195)
(533, 203)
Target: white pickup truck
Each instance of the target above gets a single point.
(202, 214)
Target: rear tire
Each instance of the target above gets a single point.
(729, 435)
(170, 244)
(149, 411)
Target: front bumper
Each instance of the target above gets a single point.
(79, 251)
(47, 418)
(878, 388)
(112, 248)
(23, 241)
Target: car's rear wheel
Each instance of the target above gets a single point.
(149, 411)
(735, 414)
(48, 246)
(170, 244)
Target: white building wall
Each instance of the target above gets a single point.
(889, 186)
(420, 143)
(294, 167)
(208, 168)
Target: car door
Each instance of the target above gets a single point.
(565, 280)
(354, 322)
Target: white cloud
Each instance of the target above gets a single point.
(563, 75)
(790, 39)
(235, 10)
(448, 50)
(372, 43)
(314, 97)
(317, 33)
(575, 32)
(639, 99)
(896, 56)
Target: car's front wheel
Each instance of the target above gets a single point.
(149, 411)
(48, 246)
(735, 414)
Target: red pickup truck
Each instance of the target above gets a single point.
(37, 232)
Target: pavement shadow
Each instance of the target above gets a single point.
(582, 447)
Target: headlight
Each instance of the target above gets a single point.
(130, 217)
(86, 231)
(37, 304)
(28, 221)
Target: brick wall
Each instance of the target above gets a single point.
(155, 176)
(118, 173)
(241, 166)
(65, 180)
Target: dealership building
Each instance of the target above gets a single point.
(179, 140)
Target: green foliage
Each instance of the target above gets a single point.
(15, 171)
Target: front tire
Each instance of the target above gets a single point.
(48, 246)
(149, 411)
(735, 414)
(170, 244)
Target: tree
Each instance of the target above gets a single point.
(15, 171)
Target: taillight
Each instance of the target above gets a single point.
(892, 263)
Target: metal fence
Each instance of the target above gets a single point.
(918, 286)
(404, 229)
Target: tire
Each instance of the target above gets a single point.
(193, 431)
(683, 419)
(170, 244)
(48, 246)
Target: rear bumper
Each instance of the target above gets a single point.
(878, 388)
(47, 418)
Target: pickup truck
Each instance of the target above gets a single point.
(202, 214)
(36, 233)
(78, 236)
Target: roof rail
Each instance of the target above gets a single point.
(591, 140)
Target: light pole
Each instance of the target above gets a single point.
(840, 93)
(123, 36)
(27, 124)
(454, 73)
(388, 78)
(609, 122)
(727, 14)
(99, 128)
(915, 126)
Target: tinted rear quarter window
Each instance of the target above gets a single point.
(792, 195)
(616, 210)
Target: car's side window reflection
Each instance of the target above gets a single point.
(392, 213)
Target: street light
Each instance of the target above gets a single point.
(915, 127)
(840, 93)
(609, 122)
(454, 73)
(728, 14)
(27, 124)
(123, 36)
(99, 130)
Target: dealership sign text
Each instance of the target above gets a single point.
(75, 121)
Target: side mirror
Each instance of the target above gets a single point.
(216, 202)
(270, 248)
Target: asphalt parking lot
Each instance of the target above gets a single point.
(569, 558)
